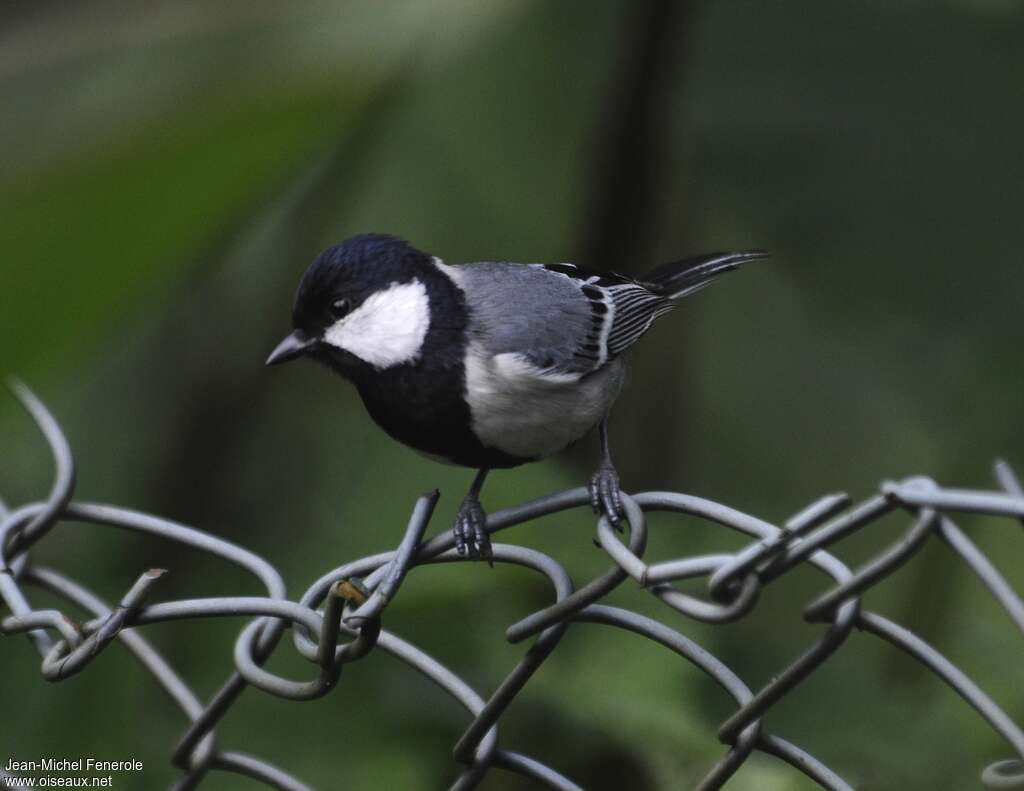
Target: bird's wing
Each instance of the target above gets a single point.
(562, 320)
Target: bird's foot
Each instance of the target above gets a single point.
(604, 494)
(471, 530)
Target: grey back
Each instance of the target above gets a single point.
(524, 308)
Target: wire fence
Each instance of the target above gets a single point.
(338, 620)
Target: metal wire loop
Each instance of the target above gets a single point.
(340, 617)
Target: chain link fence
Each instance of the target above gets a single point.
(338, 620)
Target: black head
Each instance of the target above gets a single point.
(349, 273)
(369, 283)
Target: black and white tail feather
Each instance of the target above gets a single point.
(624, 308)
(679, 279)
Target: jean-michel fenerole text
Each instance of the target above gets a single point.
(72, 765)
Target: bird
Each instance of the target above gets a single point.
(486, 365)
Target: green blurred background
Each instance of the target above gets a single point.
(169, 170)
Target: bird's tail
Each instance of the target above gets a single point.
(678, 279)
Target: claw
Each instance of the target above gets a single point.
(604, 495)
(470, 531)
(595, 496)
(460, 539)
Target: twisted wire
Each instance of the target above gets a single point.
(339, 618)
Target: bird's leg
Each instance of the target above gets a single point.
(471, 522)
(604, 485)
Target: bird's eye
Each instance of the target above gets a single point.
(339, 308)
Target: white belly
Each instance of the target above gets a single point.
(524, 412)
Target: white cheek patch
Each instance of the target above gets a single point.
(388, 328)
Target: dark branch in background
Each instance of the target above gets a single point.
(623, 212)
(631, 130)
